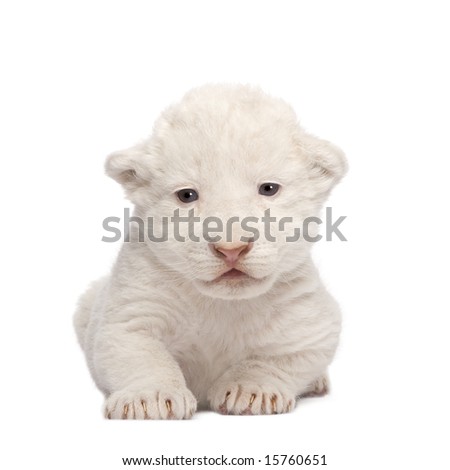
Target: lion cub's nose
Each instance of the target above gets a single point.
(230, 251)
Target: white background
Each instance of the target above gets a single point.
(82, 79)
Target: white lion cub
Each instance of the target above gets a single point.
(214, 300)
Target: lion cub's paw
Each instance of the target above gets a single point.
(250, 399)
(168, 403)
(318, 388)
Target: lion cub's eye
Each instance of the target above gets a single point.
(269, 189)
(187, 195)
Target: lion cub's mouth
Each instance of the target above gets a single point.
(233, 274)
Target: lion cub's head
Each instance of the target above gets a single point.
(225, 183)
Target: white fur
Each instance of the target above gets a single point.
(160, 336)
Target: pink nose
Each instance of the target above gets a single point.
(231, 252)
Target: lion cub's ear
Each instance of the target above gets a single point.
(326, 162)
(130, 168)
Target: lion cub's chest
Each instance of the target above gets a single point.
(205, 346)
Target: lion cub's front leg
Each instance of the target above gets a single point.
(140, 378)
